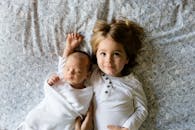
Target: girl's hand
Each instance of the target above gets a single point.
(87, 123)
(53, 79)
(114, 127)
(78, 123)
(73, 40)
(83, 125)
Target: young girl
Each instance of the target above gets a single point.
(119, 99)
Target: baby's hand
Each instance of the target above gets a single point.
(73, 40)
(114, 127)
(53, 79)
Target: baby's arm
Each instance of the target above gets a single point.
(73, 40)
(53, 79)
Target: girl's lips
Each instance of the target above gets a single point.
(108, 66)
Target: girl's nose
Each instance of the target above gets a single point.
(109, 59)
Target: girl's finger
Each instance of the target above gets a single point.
(78, 124)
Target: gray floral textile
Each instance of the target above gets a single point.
(32, 35)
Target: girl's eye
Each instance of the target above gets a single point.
(116, 54)
(102, 53)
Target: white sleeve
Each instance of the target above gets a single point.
(46, 85)
(61, 64)
(140, 106)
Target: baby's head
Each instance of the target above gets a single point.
(125, 35)
(77, 68)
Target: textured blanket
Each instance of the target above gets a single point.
(32, 35)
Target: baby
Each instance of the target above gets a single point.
(66, 96)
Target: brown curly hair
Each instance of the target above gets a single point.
(123, 31)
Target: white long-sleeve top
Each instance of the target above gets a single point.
(59, 109)
(118, 101)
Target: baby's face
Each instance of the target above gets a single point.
(75, 72)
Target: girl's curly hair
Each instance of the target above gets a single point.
(123, 31)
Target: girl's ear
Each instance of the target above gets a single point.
(127, 61)
(89, 74)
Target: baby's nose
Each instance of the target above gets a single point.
(71, 72)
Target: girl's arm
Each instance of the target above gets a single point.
(140, 106)
(114, 127)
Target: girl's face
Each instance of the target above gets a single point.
(111, 57)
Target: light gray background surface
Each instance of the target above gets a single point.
(32, 34)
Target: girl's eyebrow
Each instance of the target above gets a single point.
(114, 50)
(118, 51)
(101, 50)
